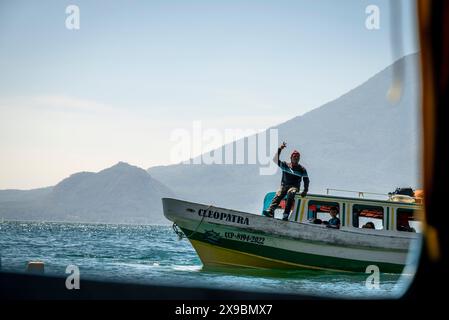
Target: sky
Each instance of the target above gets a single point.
(135, 71)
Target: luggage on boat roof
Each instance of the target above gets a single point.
(404, 191)
(406, 195)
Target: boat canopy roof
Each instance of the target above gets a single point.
(270, 195)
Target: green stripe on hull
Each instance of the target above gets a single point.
(305, 259)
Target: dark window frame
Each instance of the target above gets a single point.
(320, 202)
(356, 215)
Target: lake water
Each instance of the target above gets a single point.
(154, 254)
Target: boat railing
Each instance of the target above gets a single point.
(361, 194)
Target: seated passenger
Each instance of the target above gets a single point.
(403, 224)
(369, 225)
(334, 222)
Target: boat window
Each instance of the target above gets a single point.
(279, 211)
(405, 220)
(320, 210)
(366, 216)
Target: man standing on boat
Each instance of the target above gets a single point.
(292, 174)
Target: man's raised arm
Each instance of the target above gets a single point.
(278, 153)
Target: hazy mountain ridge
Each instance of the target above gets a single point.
(358, 141)
(120, 194)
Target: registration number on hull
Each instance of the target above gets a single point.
(244, 237)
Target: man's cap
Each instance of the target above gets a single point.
(295, 152)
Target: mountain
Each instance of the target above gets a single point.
(119, 194)
(359, 141)
(13, 195)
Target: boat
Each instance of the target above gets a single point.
(229, 238)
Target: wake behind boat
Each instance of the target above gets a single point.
(225, 237)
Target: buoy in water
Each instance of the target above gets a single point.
(35, 267)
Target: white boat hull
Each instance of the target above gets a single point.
(228, 237)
